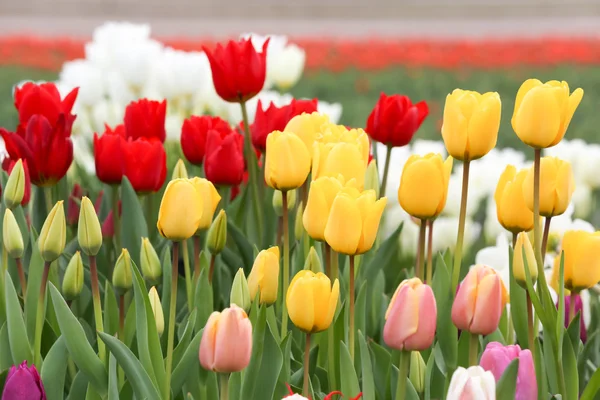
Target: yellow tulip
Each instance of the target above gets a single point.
(311, 301)
(511, 209)
(320, 198)
(581, 259)
(210, 200)
(53, 235)
(287, 161)
(89, 232)
(307, 127)
(523, 245)
(265, 276)
(471, 123)
(180, 210)
(157, 310)
(424, 185)
(557, 185)
(353, 221)
(543, 112)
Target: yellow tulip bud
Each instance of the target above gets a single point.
(180, 171)
(353, 221)
(73, 280)
(523, 245)
(417, 371)
(210, 200)
(423, 186)
(122, 279)
(307, 127)
(89, 232)
(299, 231)
(265, 276)
(581, 259)
(287, 161)
(511, 209)
(151, 267)
(313, 262)
(543, 112)
(53, 235)
(557, 185)
(157, 310)
(180, 210)
(240, 293)
(278, 201)
(318, 206)
(311, 301)
(470, 123)
(11, 235)
(372, 177)
(15, 186)
(217, 234)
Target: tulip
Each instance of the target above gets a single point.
(557, 185)
(496, 359)
(194, 133)
(73, 280)
(543, 112)
(353, 221)
(27, 183)
(146, 119)
(395, 119)
(145, 164)
(15, 186)
(278, 201)
(473, 383)
(151, 266)
(11, 235)
(298, 226)
(122, 278)
(581, 259)
(424, 185)
(211, 199)
(108, 226)
(157, 310)
(372, 178)
(240, 293)
(180, 171)
(578, 308)
(53, 235)
(307, 127)
(311, 301)
(108, 154)
(287, 161)
(224, 160)
(264, 276)
(411, 317)
(313, 262)
(479, 302)
(523, 245)
(226, 343)
(321, 195)
(471, 123)
(511, 208)
(216, 238)
(23, 383)
(417, 371)
(180, 210)
(89, 232)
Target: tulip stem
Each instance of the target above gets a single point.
(172, 315)
(279, 232)
(116, 217)
(327, 257)
(461, 227)
(97, 306)
(545, 236)
(48, 198)
(430, 253)
(421, 258)
(331, 358)
(536, 211)
(188, 274)
(351, 294)
(473, 348)
(39, 317)
(121, 373)
(530, 328)
(22, 277)
(224, 392)
(403, 366)
(286, 261)
(572, 306)
(211, 268)
(386, 170)
(305, 385)
(196, 240)
(334, 265)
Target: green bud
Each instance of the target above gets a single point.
(240, 293)
(417, 371)
(89, 232)
(313, 261)
(217, 234)
(180, 171)
(73, 279)
(53, 235)
(278, 201)
(11, 235)
(157, 310)
(299, 226)
(122, 279)
(372, 177)
(15, 186)
(151, 267)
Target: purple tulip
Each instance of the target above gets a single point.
(496, 359)
(23, 383)
(578, 309)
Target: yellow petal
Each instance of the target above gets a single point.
(344, 225)
(483, 126)
(454, 129)
(538, 121)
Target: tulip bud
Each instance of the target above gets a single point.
(122, 279)
(89, 231)
(372, 178)
(15, 186)
(157, 310)
(298, 225)
(240, 294)
(180, 171)
(287, 161)
(180, 210)
(523, 245)
(473, 383)
(311, 301)
(11, 235)
(313, 262)
(217, 234)
(151, 266)
(278, 201)
(23, 382)
(417, 371)
(53, 235)
(73, 279)
(265, 276)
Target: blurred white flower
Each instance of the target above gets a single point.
(180, 74)
(424, 147)
(108, 113)
(472, 383)
(497, 257)
(475, 194)
(582, 200)
(332, 110)
(445, 230)
(492, 227)
(87, 77)
(173, 124)
(584, 158)
(82, 126)
(83, 153)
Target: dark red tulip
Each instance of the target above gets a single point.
(108, 226)
(27, 193)
(73, 204)
(23, 383)
(395, 119)
(146, 119)
(108, 154)
(194, 132)
(98, 202)
(145, 164)
(224, 160)
(238, 70)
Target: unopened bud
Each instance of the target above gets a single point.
(298, 225)
(278, 201)
(417, 371)
(151, 267)
(313, 262)
(11, 235)
(53, 235)
(180, 171)
(217, 234)
(240, 294)
(73, 279)
(122, 279)
(372, 178)
(89, 231)
(15, 186)
(157, 310)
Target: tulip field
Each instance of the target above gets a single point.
(255, 220)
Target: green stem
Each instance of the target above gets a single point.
(536, 211)
(473, 348)
(334, 265)
(327, 257)
(48, 198)
(224, 380)
(211, 268)
(172, 315)
(21, 277)
(188, 273)
(39, 317)
(530, 327)
(121, 373)
(461, 228)
(547, 221)
(429, 278)
(305, 385)
(403, 366)
(4, 259)
(197, 246)
(286, 262)
(331, 367)
(572, 307)
(351, 295)
(97, 306)
(386, 170)
(421, 259)
(116, 217)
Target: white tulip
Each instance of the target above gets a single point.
(287, 68)
(294, 397)
(83, 153)
(106, 112)
(180, 75)
(582, 200)
(173, 124)
(473, 383)
(332, 110)
(85, 75)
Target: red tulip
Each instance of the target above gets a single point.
(145, 164)
(146, 119)
(395, 119)
(98, 202)
(73, 204)
(27, 193)
(108, 154)
(224, 161)
(238, 70)
(108, 226)
(194, 132)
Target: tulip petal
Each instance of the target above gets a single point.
(454, 128)
(483, 127)
(208, 342)
(422, 187)
(300, 302)
(403, 318)
(344, 225)
(538, 120)
(423, 337)
(463, 308)
(488, 307)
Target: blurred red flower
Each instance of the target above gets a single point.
(108, 154)
(194, 133)
(146, 118)
(224, 161)
(144, 164)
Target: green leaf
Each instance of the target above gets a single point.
(133, 223)
(569, 360)
(507, 385)
(136, 375)
(368, 382)
(447, 333)
(593, 387)
(382, 365)
(540, 370)
(203, 299)
(111, 310)
(113, 380)
(78, 387)
(5, 356)
(518, 309)
(550, 364)
(79, 348)
(243, 245)
(190, 358)
(270, 367)
(350, 386)
(17, 333)
(573, 332)
(54, 370)
(249, 385)
(34, 281)
(387, 251)
(184, 342)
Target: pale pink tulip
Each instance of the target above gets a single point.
(473, 383)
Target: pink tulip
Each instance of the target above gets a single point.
(496, 359)
(411, 317)
(578, 309)
(23, 383)
(479, 301)
(226, 343)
